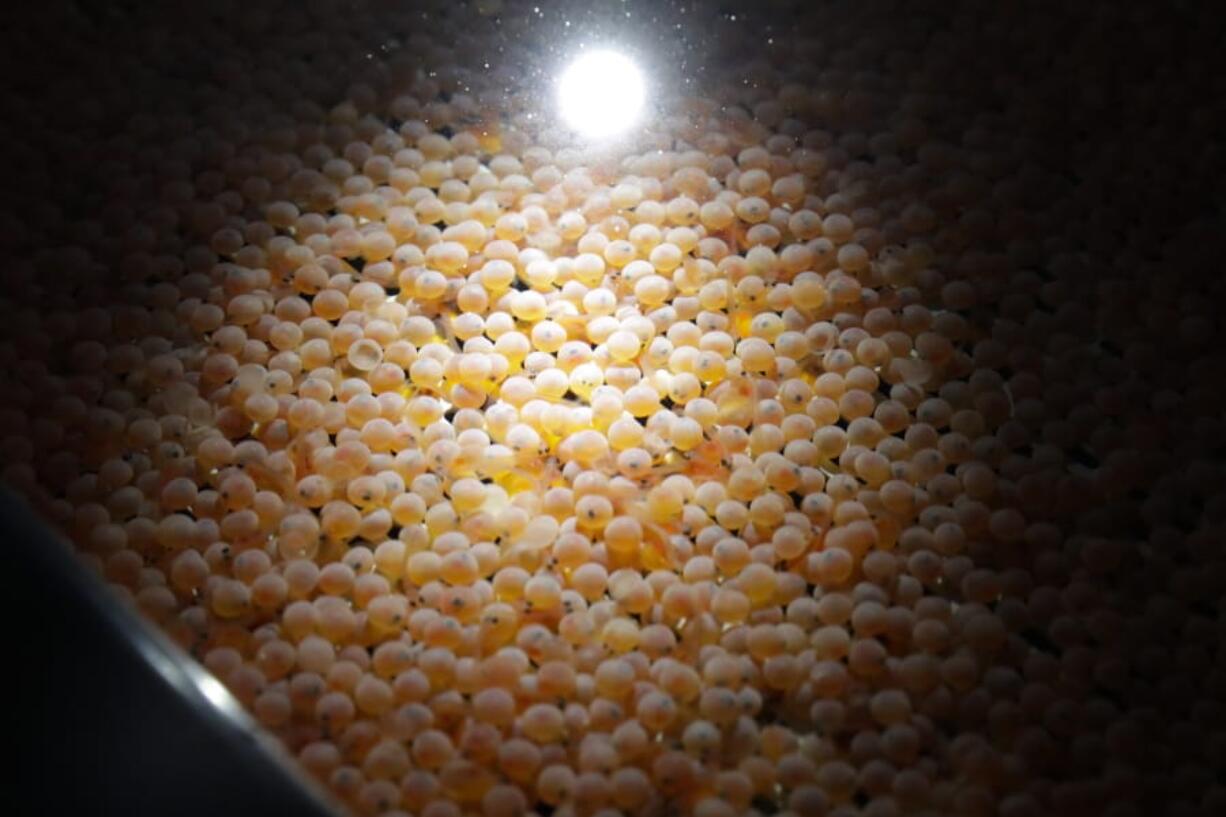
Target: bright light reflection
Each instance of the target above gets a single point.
(216, 694)
(601, 94)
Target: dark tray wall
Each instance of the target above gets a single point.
(109, 717)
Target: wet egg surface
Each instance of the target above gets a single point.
(839, 439)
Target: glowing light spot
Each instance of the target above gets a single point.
(601, 94)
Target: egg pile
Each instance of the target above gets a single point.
(838, 445)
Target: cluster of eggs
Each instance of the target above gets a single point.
(810, 453)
